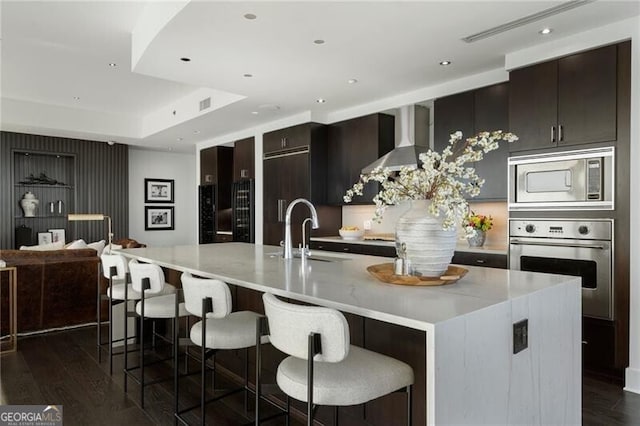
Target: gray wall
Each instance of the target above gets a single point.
(101, 186)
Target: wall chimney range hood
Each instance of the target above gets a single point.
(406, 151)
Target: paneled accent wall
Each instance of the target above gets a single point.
(99, 184)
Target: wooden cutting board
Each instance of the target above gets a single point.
(384, 272)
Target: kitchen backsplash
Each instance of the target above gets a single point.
(497, 236)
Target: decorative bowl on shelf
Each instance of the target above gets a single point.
(351, 233)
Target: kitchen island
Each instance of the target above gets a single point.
(472, 373)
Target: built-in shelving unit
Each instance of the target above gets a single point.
(55, 199)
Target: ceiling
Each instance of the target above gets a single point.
(56, 78)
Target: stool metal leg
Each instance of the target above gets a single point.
(99, 319)
(409, 405)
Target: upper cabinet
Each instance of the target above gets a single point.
(244, 159)
(471, 112)
(354, 144)
(283, 139)
(568, 101)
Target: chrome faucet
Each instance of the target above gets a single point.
(288, 250)
(304, 247)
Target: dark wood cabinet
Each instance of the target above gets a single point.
(288, 138)
(216, 168)
(244, 159)
(354, 144)
(491, 112)
(488, 260)
(452, 113)
(368, 249)
(297, 171)
(568, 101)
(471, 112)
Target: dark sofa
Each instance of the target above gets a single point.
(56, 288)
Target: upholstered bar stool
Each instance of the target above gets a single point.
(218, 329)
(322, 367)
(115, 269)
(157, 301)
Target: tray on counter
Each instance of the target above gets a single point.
(384, 272)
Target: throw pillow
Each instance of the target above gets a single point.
(44, 247)
(97, 246)
(77, 244)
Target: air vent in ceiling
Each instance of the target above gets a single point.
(205, 103)
(563, 7)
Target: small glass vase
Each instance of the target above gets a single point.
(478, 239)
(429, 248)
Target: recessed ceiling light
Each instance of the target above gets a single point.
(250, 16)
(321, 101)
(113, 64)
(179, 139)
(255, 112)
(545, 31)
(111, 143)
(352, 81)
(445, 63)
(77, 98)
(318, 41)
(247, 75)
(185, 59)
(196, 132)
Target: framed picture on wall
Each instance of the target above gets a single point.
(158, 218)
(44, 238)
(57, 235)
(158, 190)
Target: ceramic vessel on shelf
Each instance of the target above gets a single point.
(428, 247)
(478, 239)
(351, 234)
(29, 203)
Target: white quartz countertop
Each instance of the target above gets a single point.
(346, 285)
(462, 246)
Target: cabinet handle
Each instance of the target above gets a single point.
(481, 261)
(553, 134)
(284, 142)
(345, 249)
(560, 135)
(280, 203)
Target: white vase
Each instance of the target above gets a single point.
(478, 239)
(429, 248)
(29, 203)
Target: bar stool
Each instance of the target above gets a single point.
(322, 367)
(157, 301)
(219, 329)
(114, 268)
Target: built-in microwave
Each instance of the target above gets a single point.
(581, 179)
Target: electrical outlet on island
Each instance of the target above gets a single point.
(367, 225)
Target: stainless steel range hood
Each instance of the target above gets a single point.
(414, 120)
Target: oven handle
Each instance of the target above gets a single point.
(530, 243)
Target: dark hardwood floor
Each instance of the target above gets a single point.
(62, 368)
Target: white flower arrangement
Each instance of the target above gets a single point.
(442, 178)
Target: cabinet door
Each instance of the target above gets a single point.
(353, 144)
(533, 106)
(285, 179)
(587, 97)
(243, 159)
(452, 113)
(291, 137)
(491, 111)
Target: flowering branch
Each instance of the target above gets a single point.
(442, 178)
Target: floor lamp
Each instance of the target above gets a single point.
(73, 217)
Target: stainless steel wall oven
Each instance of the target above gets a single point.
(568, 247)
